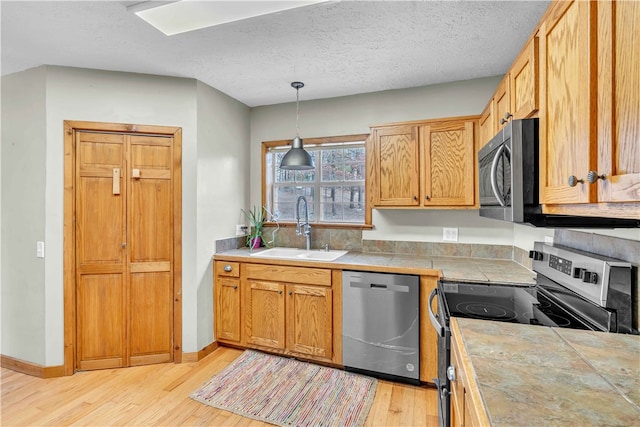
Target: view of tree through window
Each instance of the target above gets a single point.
(334, 189)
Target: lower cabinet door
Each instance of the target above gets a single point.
(309, 320)
(228, 309)
(265, 314)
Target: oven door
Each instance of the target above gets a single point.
(441, 324)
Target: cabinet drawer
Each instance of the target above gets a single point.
(280, 273)
(226, 268)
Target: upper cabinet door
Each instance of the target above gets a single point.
(618, 102)
(486, 124)
(395, 154)
(523, 81)
(448, 156)
(567, 94)
(502, 104)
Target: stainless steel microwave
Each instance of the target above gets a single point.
(508, 172)
(508, 182)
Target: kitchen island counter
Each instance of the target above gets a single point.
(533, 375)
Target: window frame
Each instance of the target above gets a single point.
(266, 145)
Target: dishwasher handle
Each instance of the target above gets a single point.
(377, 286)
(432, 316)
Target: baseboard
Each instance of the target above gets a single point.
(32, 369)
(196, 357)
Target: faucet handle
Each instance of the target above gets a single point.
(326, 247)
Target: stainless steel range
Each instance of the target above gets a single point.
(574, 289)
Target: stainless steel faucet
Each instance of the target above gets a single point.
(306, 227)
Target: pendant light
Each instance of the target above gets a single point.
(297, 158)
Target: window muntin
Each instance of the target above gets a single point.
(335, 190)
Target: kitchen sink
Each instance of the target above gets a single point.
(300, 254)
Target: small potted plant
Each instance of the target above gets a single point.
(256, 217)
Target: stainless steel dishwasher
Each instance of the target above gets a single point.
(381, 324)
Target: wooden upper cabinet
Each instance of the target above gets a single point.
(395, 156)
(523, 81)
(502, 104)
(516, 97)
(590, 108)
(448, 175)
(424, 164)
(618, 101)
(486, 128)
(567, 85)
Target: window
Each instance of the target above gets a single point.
(335, 189)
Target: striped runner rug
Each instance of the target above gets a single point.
(288, 392)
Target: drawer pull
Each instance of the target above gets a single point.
(228, 268)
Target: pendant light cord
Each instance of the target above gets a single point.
(297, 110)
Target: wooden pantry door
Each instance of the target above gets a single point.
(124, 205)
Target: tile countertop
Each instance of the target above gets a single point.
(451, 268)
(536, 375)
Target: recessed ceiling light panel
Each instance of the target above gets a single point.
(188, 15)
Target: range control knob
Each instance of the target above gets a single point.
(590, 277)
(536, 255)
(578, 272)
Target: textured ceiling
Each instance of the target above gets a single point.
(335, 48)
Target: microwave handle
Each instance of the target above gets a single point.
(494, 182)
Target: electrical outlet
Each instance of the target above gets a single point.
(450, 234)
(548, 240)
(241, 229)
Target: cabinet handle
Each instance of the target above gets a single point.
(415, 198)
(290, 293)
(506, 118)
(228, 268)
(593, 176)
(426, 197)
(573, 181)
(279, 292)
(451, 373)
(235, 287)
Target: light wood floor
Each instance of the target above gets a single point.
(158, 395)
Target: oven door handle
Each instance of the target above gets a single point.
(494, 178)
(432, 316)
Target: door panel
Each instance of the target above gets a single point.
(265, 320)
(101, 337)
(151, 249)
(151, 317)
(99, 222)
(100, 257)
(618, 102)
(565, 107)
(309, 324)
(151, 220)
(448, 155)
(396, 154)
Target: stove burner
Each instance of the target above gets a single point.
(486, 310)
(542, 304)
(561, 321)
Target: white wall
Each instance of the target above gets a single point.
(24, 152)
(223, 188)
(219, 134)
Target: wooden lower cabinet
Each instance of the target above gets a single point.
(467, 408)
(287, 310)
(296, 311)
